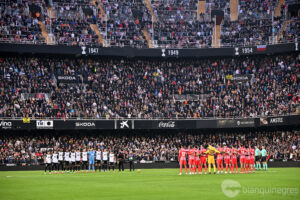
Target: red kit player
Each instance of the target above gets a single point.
(227, 158)
(234, 153)
(220, 159)
(191, 153)
(182, 159)
(242, 153)
(252, 159)
(197, 161)
(248, 157)
(203, 159)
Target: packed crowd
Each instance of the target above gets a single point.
(178, 26)
(122, 23)
(31, 149)
(71, 26)
(17, 23)
(142, 88)
(125, 23)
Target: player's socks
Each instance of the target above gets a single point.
(180, 169)
(93, 168)
(259, 165)
(266, 166)
(222, 169)
(226, 168)
(89, 167)
(186, 170)
(209, 168)
(205, 169)
(214, 168)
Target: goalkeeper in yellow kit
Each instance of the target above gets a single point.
(211, 157)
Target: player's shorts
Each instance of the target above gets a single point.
(227, 161)
(211, 160)
(85, 162)
(248, 160)
(219, 161)
(191, 161)
(91, 162)
(77, 162)
(98, 162)
(111, 163)
(182, 162)
(104, 162)
(234, 160)
(252, 161)
(203, 160)
(197, 161)
(243, 160)
(263, 159)
(257, 159)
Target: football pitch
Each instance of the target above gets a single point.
(276, 183)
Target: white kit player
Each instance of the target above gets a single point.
(72, 160)
(61, 160)
(111, 160)
(105, 160)
(67, 162)
(48, 161)
(55, 161)
(98, 159)
(78, 159)
(84, 160)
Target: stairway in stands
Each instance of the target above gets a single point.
(51, 12)
(100, 8)
(216, 42)
(95, 28)
(44, 32)
(201, 8)
(150, 9)
(278, 8)
(148, 38)
(286, 23)
(234, 10)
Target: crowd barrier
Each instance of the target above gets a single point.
(120, 124)
(147, 52)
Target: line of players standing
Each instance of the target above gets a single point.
(75, 161)
(199, 157)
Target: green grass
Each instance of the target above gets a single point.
(148, 184)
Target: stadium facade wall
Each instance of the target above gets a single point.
(157, 52)
(273, 164)
(159, 124)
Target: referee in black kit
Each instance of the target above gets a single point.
(121, 159)
(131, 160)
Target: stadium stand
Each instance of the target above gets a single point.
(30, 149)
(149, 88)
(169, 23)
